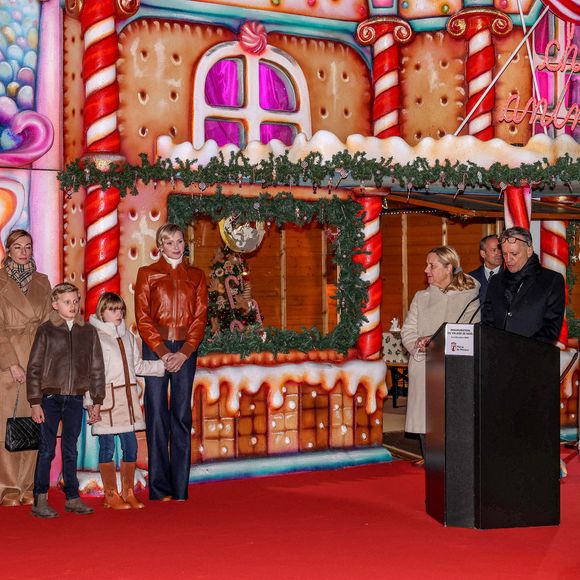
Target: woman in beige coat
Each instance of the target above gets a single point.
(121, 413)
(24, 305)
(451, 296)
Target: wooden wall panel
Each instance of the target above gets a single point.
(391, 269)
(464, 236)
(206, 240)
(424, 233)
(265, 277)
(304, 277)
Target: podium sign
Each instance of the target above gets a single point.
(492, 442)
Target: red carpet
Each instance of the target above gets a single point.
(363, 522)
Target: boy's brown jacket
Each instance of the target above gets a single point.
(65, 362)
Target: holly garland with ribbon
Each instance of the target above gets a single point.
(313, 170)
(279, 210)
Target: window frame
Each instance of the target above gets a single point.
(250, 115)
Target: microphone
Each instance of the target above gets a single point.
(478, 309)
(466, 307)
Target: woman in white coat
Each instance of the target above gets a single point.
(451, 296)
(121, 413)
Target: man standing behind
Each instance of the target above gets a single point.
(525, 298)
(490, 253)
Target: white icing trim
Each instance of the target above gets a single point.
(461, 149)
(249, 378)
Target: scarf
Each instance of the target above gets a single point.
(515, 280)
(20, 273)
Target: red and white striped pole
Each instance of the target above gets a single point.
(554, 255)
(371, 333)
(102, 142)
(517, 206)
(385, 34)
(478, 26)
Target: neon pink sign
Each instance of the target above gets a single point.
(566, 61)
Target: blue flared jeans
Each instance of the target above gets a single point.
(168, 418)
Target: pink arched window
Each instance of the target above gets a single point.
(234, 105)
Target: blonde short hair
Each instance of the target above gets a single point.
(63, 288)
(12, 237)
(165, 232)
(448, 256)
(109, 299)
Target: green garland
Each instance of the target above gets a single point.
(314, 171)
(279, 210)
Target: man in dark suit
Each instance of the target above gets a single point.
(525, 298)
(490, 253)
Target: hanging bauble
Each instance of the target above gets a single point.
(242, 237)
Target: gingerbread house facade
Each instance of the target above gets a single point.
(194, 82)
(392, 79)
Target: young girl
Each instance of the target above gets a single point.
(121, 412)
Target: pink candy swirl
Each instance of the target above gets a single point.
(252, 37)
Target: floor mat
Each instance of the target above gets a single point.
(403, 445)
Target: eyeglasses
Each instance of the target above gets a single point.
(114, 308)
(513, 240)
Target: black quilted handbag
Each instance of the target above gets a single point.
(22, 433)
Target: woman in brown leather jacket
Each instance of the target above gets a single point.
(170, 308)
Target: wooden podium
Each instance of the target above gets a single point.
(492, 445)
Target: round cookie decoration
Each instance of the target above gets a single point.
(242, 237)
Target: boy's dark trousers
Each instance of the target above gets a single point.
(69, 410)
(169, 426)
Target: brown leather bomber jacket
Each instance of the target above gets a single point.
(65, 362)
(171, 304)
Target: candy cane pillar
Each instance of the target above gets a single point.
(554, 255)
(371, 333)
(517, 207)
(102, 145)
(385, 34)
(478, 26)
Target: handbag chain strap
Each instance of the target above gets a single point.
(16, 404)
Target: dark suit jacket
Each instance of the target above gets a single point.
(479, 275)
(536, 310)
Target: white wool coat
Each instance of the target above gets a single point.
(429, 310)
(121, 410)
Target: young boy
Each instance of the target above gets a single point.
(66, 360)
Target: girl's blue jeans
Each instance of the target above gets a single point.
(128, 445)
